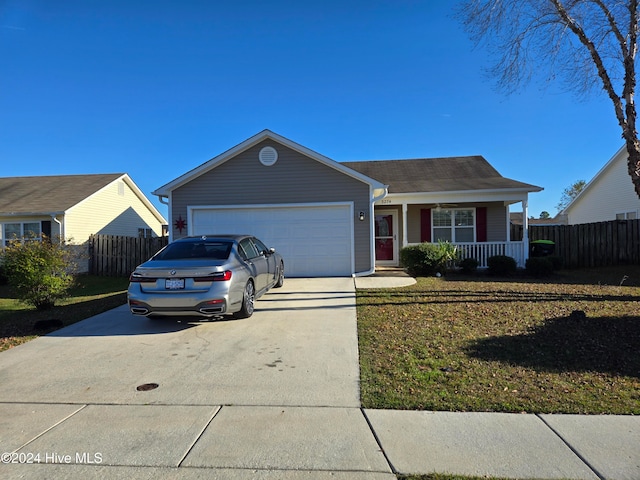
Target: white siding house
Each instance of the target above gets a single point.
(116, 209)
(608, 196)
(74, 207)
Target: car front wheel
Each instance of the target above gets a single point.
(248, 301)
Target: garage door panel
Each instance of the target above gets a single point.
(314, 241)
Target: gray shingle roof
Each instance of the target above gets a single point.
(45, 194)
(449, 174)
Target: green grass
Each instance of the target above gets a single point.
(506, 345)
(439, 476)
(91, 295)
(460, 343)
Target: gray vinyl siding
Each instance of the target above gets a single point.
(293, 179)
(413, 223)
(496, 222)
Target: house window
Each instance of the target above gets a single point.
(145, 233)
(453, 225)
(626, 216)
(20, 231)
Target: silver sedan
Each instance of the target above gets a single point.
(205, 276)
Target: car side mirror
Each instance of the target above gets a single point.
(272, 251)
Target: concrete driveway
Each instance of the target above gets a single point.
(299, 348)
(239, 398)
(271, 397)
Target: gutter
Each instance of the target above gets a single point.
(27, 214)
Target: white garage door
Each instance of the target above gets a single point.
(314, 241)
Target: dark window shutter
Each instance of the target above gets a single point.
(481, 224)
(425, 225)
(45, 226)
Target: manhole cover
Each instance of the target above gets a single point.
(147, 386)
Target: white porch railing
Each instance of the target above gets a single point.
(481, 251)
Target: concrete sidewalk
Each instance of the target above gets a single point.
(385, 278)
(274, 396)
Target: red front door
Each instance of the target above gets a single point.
(385, 238)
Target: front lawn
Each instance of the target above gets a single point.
(568, 344)
(90, 296)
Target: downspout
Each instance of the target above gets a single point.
(165, 201)
(376, 195)
(60, 228)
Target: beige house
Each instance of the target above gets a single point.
(608, 196)
(337, 219)
(74, 207)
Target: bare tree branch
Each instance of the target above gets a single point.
(582, 43)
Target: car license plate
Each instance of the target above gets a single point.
(174, 283)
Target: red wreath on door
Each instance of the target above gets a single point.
(180, 224)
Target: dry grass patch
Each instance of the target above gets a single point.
(520, 345)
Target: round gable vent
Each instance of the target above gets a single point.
(268, 156)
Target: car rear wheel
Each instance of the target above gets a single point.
(280, 280)
(248, 301)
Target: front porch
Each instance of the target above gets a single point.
(479, 230)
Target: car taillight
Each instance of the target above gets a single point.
(137, 278)
(215, 277)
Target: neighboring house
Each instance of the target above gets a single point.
(516, 219)
(517, 227)
(608, 196)
(73, 207)
(335, 219)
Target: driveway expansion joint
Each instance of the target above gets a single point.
(199, 435)
(50, 428)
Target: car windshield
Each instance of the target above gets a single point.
(214, 250)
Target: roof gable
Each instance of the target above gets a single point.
(49, 194)
(620, 155)
(166, 189)
(451, 174)
(56, 194)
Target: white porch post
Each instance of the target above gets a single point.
(405, 240)
(525, 227)
(508, 223)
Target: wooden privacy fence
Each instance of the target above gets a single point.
(591, 244)
(116, 256)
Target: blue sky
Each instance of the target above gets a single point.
(156, 88)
